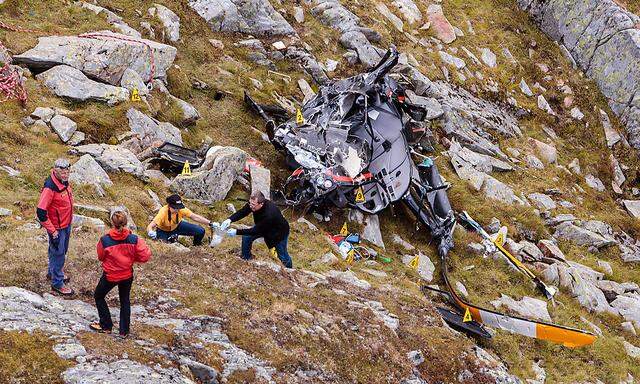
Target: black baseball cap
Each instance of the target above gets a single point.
(175, 202)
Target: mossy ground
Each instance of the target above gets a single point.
(258, 301)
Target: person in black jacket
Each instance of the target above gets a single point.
(269, 224)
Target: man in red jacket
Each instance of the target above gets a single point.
(117, 251)
(55, 213)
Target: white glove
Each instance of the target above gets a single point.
(225, 224)
(231, 232)
(152, 234)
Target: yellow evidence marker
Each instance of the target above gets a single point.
(360, 195)
(135, 95)
(299, 117)
(350, 258)
(467, 316)
(414, 262)
(273, 252)
(344, 231)
(186, 170)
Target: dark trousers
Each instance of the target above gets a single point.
(124, 290)
(184, 228)
(57, 253)
(281, 249)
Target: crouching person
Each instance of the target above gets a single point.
(269, 224)
(118, 251)
(169, 223)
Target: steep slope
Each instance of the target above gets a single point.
(310, 325)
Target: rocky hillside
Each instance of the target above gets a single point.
(533, 111)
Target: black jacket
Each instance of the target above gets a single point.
(269, 223)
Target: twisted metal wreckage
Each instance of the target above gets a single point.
(353, 145)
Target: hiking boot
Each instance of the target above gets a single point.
(124, 336)
(65, 280)
(64, 290)
(95, 326)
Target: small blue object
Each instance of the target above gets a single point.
(427, 162)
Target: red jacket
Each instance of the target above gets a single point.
(118, 250)
(55, 208)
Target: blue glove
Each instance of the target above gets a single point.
(231, 232)
(225, 224)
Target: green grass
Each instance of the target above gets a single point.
(29, 358)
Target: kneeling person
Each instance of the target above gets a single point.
(269, 223)
(169, 223)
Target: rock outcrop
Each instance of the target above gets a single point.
(253, 17)
(69, 82)
(604, 40)
(102, 55)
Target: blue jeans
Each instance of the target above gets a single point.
(184, 228)
(57, 252)
(281, 249)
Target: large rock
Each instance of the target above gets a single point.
(390, 16)
(633, 207)
(64, 127)
(409, 10)
(112, 158)
(69, 82)
(87, 171)
(170, 21)
(628, 305)
(542, 201)
(254, 17)
(215, 177)
(152, 131)
(471, 120)
(478, 161)
(350, 278)
(580, 282)
(439, 24)
(604, 40)
(334, 15)
(122, 371)
(548, 153)
(582, 235)
(104, 57)
(490, 187)
(527, 307)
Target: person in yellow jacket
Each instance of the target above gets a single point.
(169, 223)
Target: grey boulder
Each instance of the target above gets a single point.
(104, 57)
(151, 131)
(170, 21)
(112, 158)
(254, 17)
(215, 177)
(64, 127)
(87, 171)
(122, 371)
(66, 81)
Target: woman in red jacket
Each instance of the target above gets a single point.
(118, 250)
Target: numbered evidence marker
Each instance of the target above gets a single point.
(273, 252)
(299, 117)
(344, 231)
(135, 95)
(414, 262)
(186, 170)
(467, 316)
(350, 257)
(360, 195)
